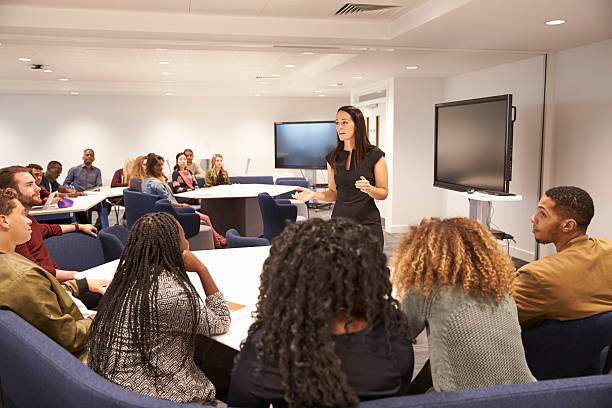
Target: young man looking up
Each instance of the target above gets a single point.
(575, 282)
(21, 181)
(32, 292)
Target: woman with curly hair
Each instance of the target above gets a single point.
(327, 331)
(144, 334)
(456, 280)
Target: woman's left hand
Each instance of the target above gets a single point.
(364, 185)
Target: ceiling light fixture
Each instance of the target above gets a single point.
(275, 75)
(74, 93)
(47, 70)
(289, 66)
(256, 94)
(412, 67)
(357, 77)
(25, 59)
(555, 22)
(166, 73)
(317, 91)
(164, 63)
(168, 81)
(62, 79)
(161, 49)
(169, 94)
(321, 95)
(308, 53)
(264, 82)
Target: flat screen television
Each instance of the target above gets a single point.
(473, 144)
(303, 145)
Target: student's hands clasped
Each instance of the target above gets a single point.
(364, 185)
(303, 194)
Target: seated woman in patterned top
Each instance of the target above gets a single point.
(143, 336)
(327, 332)
(182, 178)
(455, 280)
(217, 174)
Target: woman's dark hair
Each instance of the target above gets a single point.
(176, 166)
(362, 144)
(152, 249)
(152, 160)
(315, 271)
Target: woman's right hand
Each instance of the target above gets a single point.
(303, 194)
(192, 263)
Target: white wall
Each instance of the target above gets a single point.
(582, 130)
(525, 81)
(43, 128)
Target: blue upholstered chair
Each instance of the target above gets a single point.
(252, 179)
(291, 181)
(199, 235)
(570, 348)
(78, 251)
(275, 214)
(111, 244)
(120, 231)
(234, 240)
(201, 181)
(137, 204)
(37, 372)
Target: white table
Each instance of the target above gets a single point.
(235, 271)
(235, 205)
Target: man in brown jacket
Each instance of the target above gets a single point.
(32, 292)
(575, 282)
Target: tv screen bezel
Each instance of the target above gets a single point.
(297, 123)
(507, 144)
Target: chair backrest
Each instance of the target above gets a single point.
(252, 179)
(111, 245)
(234, 240)
(137, 204)
(120, 231)
(291, 181)
(37, 372)
(186, 216)
(201, 181)
(274, 215)
(571, 348)
(76, 251)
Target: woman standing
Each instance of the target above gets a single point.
(217, 174)
(456, 280)
(356, 174)
(182, 178)
(143, 336)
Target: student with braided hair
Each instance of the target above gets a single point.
(456, 280)
(327, 331)
(143, 337)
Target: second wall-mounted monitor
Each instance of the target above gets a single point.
(303, 145)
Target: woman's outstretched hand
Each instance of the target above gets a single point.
(303, 194)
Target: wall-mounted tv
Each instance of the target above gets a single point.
(473, 144)
(303, 145)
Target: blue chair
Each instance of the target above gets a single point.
(252, 179)
(137, 204)
(201, 181)
(200, 236)
(275, 214)
(37, 372)
(111, 245)
(291, 181)
(572, 348)
(120, 231)
(78, 251)
(234, 240)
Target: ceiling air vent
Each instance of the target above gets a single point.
(355, 8)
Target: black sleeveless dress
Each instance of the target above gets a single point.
(350, 201)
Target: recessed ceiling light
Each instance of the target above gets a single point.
(74, 93)
(389, 49)
(412, 67)
(25, 59)
(556, 22)
(359, 48)
(321, 95)
(289, 66)
(275, 75)
(166, 73)
(168, 81)
(357, 77)
(169, 94)
(264, 82)
(308, 53)
(164, 63)
(317, 91)
(256, 94)
(62, 79)
(47, 70)
(161, 49)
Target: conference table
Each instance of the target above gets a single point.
(235, 271)
(235, 205)
(83, 203)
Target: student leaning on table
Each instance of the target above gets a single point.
(32, 292)
(143, 337)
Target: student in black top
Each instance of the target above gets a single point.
(357, 174)
(327, 331)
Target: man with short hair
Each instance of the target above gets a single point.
(84, 176)
(32, 292)
(36, 172)
(21, 181)
(574, 283)
(194, 167)
(49, 180)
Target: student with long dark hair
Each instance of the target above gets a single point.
(182, 178)
(356, 174)
(327, 331)
(143, 336)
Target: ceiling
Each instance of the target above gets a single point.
(114, 47)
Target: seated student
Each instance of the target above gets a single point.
(28, 193)
(137, 173)
(143, 337)
(182, 178)
(327, 331)
(455, 280)
(575, 282)
(217, 174)
(194, 167)
(36, 172)
(32, 292)
(85, 177)
(49, 181)
(155, 183)
(120, 176)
